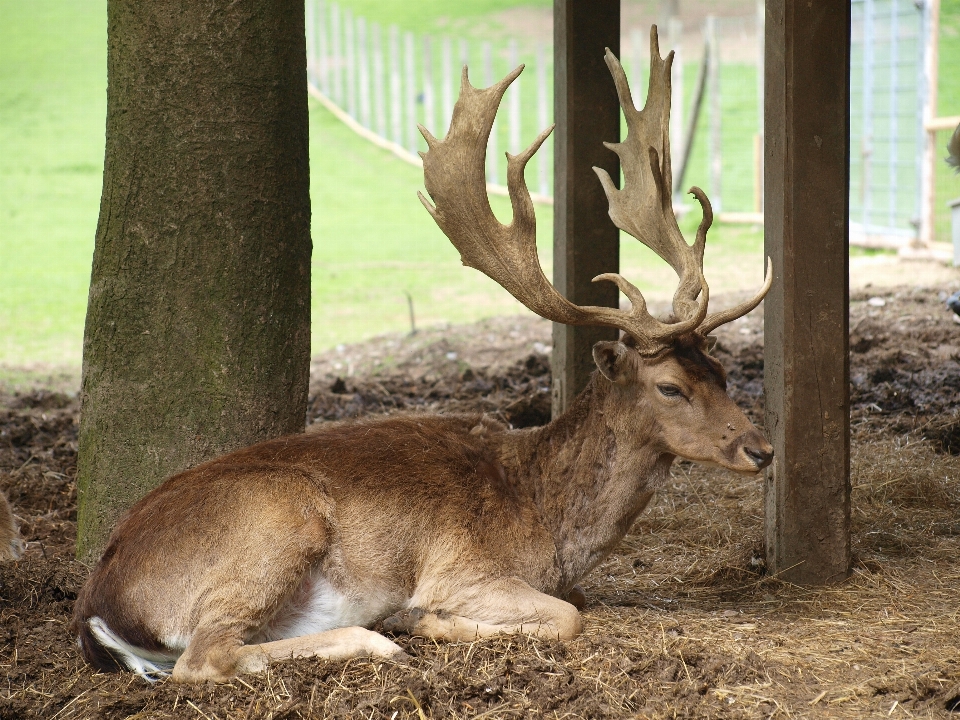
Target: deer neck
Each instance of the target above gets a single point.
(589, 473)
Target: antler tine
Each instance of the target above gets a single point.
(715, 320)
(644, 206)
(453, 171)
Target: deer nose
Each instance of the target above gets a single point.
(761, 456)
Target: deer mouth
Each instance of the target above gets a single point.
(761, 456)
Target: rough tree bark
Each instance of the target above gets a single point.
(197, 335)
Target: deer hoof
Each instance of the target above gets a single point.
(404, 622)
(576, 597)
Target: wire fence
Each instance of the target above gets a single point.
(886, 120)
(384, 82)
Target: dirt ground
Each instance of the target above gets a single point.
(681, 621)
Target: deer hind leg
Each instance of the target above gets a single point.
(338, 644)
(221, 660)
(238, 603)
(504, 606)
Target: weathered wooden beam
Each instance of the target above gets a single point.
(585, 241)
(806, 369)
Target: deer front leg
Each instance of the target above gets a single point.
(505, 606)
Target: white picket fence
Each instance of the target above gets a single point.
(382, 82)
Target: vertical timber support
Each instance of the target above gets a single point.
(585, 240)
(807, 59)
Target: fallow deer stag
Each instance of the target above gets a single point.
(451, 527)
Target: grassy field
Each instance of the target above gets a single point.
(374, 243)
(948, 103)
(52, 106)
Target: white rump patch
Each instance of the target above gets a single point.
(148, 665)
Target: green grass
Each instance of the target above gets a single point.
(432, 15)
(52, 110)
(948, 103)
(373, 241)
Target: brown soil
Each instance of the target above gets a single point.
(680, 622)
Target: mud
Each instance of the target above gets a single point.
(681, 621)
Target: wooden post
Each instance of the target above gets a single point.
(675, 43)
(350, 43)
(379, 93)
(931, 54)
(396, 88)
(714, 138)
(543, 184)
(363, 70)
(311, 38)
(493, 154)
(429, 114)
(409, 94)
(806, 221)
(446, 78)
(760, 79)
(585, 241)
(336, 63)
(323, 48)
(513, 100)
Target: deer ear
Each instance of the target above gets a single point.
(611, 359)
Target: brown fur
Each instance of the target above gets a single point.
(11, 546)
(454, 526)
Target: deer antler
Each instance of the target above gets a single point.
(644, 207)
(453, 170)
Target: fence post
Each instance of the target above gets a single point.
(337, 60)
(446, 90)
(542, 122)
(714, 157)
(866, 149)
(675, 43)
(396, 88)
(350, 40)
(363, 68)
(638, 55)
(894, 98)
(931, 22)
(761, 32)
(513, 99)
(410, 94)
(323, 49)
(429, 114)
(310, 23)
(492, 154)
(379, 96)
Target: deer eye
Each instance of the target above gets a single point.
(668, 390)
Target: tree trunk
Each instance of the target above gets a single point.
(197, 337)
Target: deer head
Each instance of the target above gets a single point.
(665, 361)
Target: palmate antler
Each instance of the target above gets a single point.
(453, 172)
